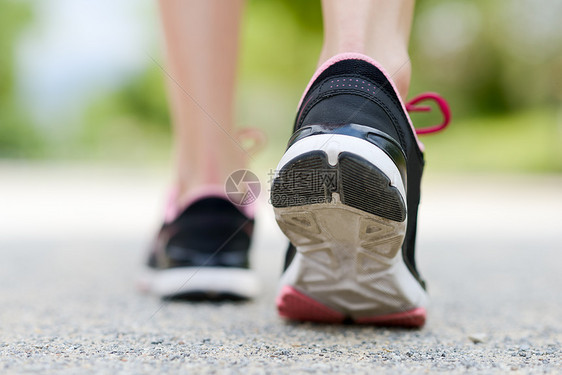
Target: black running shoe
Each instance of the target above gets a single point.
(346, 193)
(202, 253)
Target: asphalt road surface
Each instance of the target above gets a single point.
(73, 239)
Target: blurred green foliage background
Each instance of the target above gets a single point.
(498, 63)
(18, 137)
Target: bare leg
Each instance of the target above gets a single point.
(202, 49)
(377, 28)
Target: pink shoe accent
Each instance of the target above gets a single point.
(443, 106)
(413, 318)
(295, 305)
(174, 209)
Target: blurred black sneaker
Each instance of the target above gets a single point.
(202, 252)
(346, 193)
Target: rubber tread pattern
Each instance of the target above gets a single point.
(366, 188)
(310, 179)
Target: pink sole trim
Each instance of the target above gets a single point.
(294, 305)
(358, 56)
(413, 318)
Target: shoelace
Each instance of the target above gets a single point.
(412, 106)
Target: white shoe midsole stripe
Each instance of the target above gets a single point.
(179, 280)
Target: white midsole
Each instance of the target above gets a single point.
(237, 281)
(334, 144)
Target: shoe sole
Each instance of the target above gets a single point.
(201, 283)
(341, 202)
